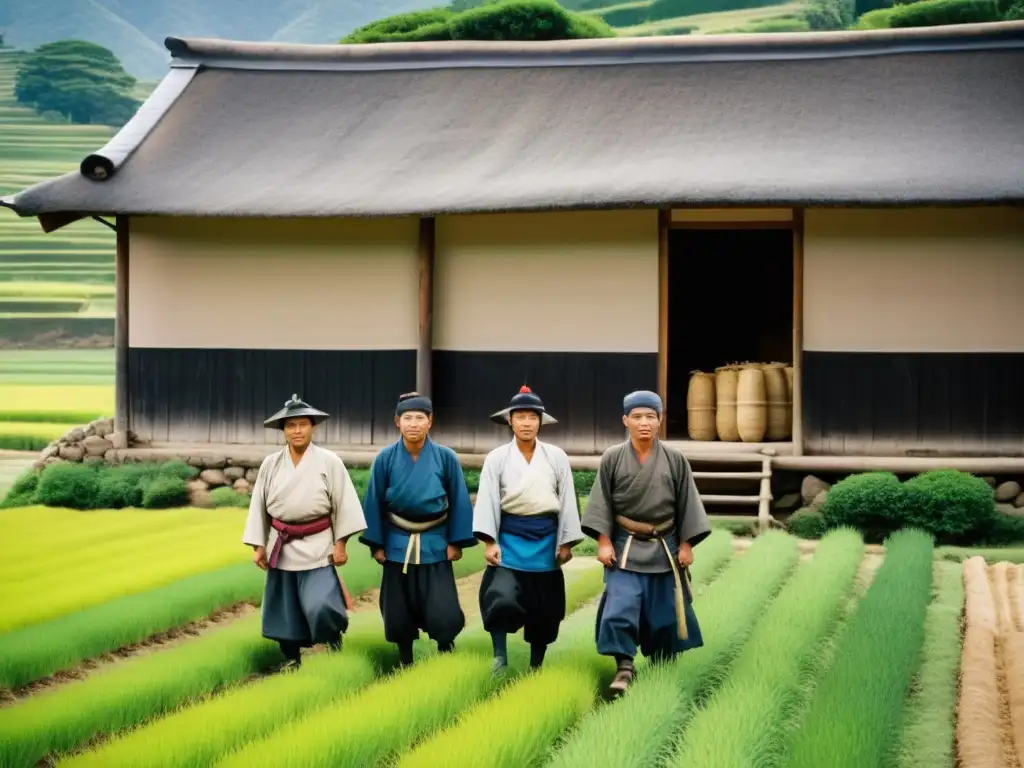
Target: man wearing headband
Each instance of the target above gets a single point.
(418, 520)
(527, 517)
(647, 516)
(304, 507)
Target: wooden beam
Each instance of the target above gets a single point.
(798, 332)
(664, 224)
(121, 389)
(425, 350)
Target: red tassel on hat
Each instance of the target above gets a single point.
(524, 390)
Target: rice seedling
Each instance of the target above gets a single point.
(515, 728)
(928, 733)
(646, 717)
(765, 680)
(979, 735)
(856, 708)
(383, 720)
(35, 652)
(30, 436)
(199, 735)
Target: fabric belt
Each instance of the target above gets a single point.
(657, 531)
(290, 531)
(414, 528)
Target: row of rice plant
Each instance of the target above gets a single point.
(765, 680)
(857, 707)
(645, 720)
(44, 401)
(927, 740)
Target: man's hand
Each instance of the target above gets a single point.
(685, 555)
(454, 553)
(564, 554)
(379, 556)
(606, 552)
(340, 555)
(259, 556)
(492, 553)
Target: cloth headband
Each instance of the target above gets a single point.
(641, 399)
(414, 402)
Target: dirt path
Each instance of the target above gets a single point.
(468, 589)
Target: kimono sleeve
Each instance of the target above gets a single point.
(570, 532)
(598, 517)
(373, 502)
(692, 524)
(257, 522)
(346, 513)
(487, 510)
(460, 510)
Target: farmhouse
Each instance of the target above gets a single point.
(588, 217)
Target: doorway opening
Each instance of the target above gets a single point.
(730, 300)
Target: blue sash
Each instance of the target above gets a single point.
(534, 528)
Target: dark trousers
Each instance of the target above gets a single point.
(638, 610)
(425, 599)
(303, 608)
(511, 600)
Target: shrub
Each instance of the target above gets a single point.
(165, 491)
(932, 13)
(949, 504)
(228, 497)
(1015, 12)
(23, 492)
(525, 20)
(807, 523)
(872, 502)
(403, 27)
(69, 484)
(1004, 530)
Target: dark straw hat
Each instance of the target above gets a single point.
(293, 409)
(524, 400)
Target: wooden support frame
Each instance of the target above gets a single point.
(425, 348)
(742, 218)
(122, 390)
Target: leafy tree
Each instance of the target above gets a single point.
(502, 20)
(83, 81)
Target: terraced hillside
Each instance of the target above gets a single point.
(646, 18)
(57, 285)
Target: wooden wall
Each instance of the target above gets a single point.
(914, 332)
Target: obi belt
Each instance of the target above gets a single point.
(657, 531)
(290, 531)
(414, 528)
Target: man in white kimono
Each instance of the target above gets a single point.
(527, 517)
(647, 516)
(304, 508)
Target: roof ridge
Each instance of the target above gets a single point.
(231, 54)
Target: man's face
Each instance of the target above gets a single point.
(525, 425)
(298, 432)
(414, 425)
(643, 423)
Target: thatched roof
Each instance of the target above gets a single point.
(914, 116)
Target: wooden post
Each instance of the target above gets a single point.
(664, 222)
(122, 408)
(798, 331)
(425, 350)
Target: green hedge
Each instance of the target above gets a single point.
(932, 13)
(954, 507)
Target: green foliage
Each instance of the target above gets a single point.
(228, 497)
(68, 484)
(950, 504)
(1004, 530)
(82, 81)
(23, 491)
(670, 9)
(807, 523)
(1015, 12)
(164, 492)
(503, 20)
(872, 502)
(931, 13)
(625, 15)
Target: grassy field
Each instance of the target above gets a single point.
(721, 22)
(826, 657)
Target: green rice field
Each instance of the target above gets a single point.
(823, 656)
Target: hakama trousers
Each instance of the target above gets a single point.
(425, 598)
(303, 608)
(638, 610)
(533, 601)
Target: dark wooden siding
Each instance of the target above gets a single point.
(583, 390)
(223, 395)
(875, 403)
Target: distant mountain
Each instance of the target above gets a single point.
(135, 29)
